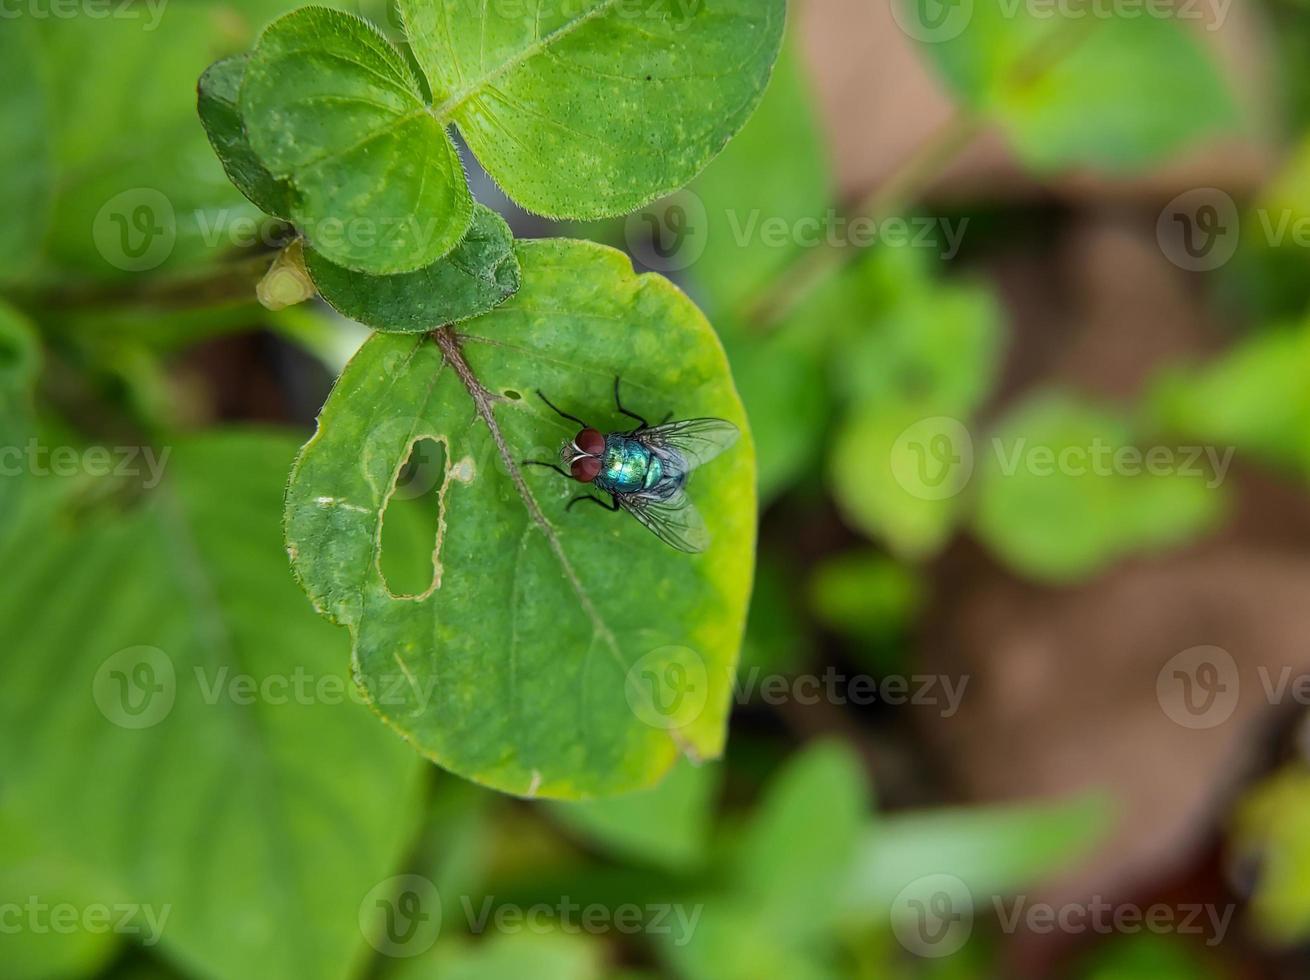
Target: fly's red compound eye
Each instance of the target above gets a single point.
(590, 442)
(585, 468)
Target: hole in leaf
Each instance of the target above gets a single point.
(512, 395)
(411, 519)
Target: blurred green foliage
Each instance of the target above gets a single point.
(264, 827)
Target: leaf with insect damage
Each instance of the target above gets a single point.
(562, 654)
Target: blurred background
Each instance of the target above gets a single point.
(1015, 293)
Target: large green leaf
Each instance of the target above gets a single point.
(331, 107)
(19, 363)
(42, 886)
(531, 653)
(1071, 88)
(174, 718)
(137, 186)
(1063, 491)
(26, 174)
(480, 274)
(592, 109)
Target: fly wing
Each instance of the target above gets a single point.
(673, 519)
(697, 441)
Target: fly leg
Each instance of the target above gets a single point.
(612, 506)
(618, 403)
(550, 466)
(560, 411)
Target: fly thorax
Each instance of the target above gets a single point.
(626, 464)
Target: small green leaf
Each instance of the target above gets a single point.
(797, 852)
(1068, 87)
(166, 639)
(667, 826)
(594, 109)
(331, 107)
(217, 102)
(480, 274)
(1063, 492)
(919, 358)
(512, 956)
(1253, 396)
(530, 660)
(993, 850)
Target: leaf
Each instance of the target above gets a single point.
(1270, 826)
(594, 109)
(178, 721)
(541, 955)
(19, 364)
(1254, 396)
(530, 658)
(35, 883)
(778, 916)
(1063, 492)
(798, 849)
(1067, 88)
(480, 274)
(217, 102)
(992, 850)
(332, 108)
(865, 595)
(666, 826)
(775, 173)
(137, 187)
(26, 179)
(917, 359)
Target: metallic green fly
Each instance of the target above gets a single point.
(645, 469)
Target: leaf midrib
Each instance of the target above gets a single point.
(445, 112)
(448, 341)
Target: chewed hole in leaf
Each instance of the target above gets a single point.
(411, 521)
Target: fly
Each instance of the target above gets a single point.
(645, 469)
